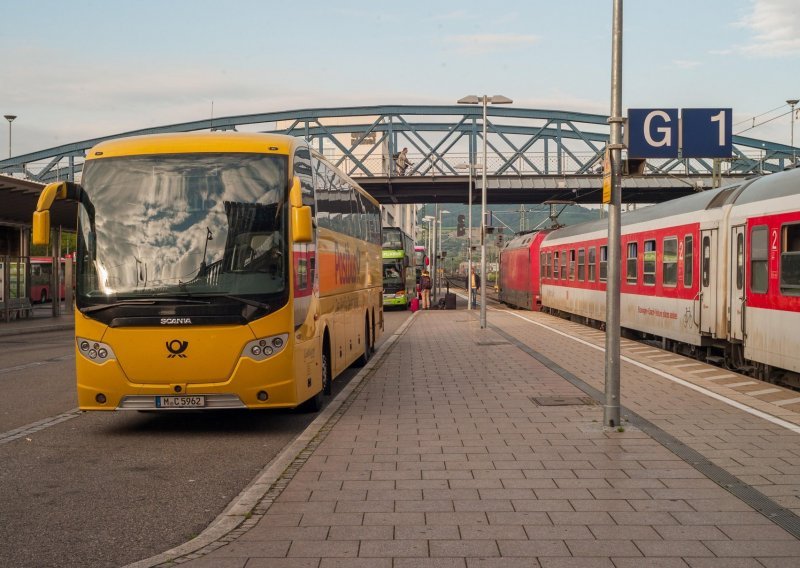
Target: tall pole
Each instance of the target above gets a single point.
(483, 220)
(611, 410)
(791, 102)
(10, 118)
(435, 260)
(469, 238)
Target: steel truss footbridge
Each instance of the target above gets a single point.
(532, 155)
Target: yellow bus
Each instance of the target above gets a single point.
(218, 270)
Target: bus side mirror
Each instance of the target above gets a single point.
(302, 231)
(41, 217)
(41, 228)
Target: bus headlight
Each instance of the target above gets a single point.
(260, 349)
(95, 351)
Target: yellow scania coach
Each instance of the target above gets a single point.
(218, 270)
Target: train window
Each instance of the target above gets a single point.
(572, 264)
(603, 264)
(563, 264)
(549, 269)
(759, 254)
(542, 264)
(582, 265)
(592, 261)
(790, 260)
(555, 264)
(631, 263)
(649, 266)
(706, 261)
(739, 261)
(688, 261)
(669, 262)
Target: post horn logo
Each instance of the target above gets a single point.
(176, 347)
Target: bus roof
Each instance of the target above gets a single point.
(194, 142)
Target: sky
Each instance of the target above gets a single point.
(76, 70)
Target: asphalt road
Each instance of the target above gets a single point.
(108, 489)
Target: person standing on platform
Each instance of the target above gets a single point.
(425, 285)
(474, 285)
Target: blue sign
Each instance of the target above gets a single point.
(707, 133)
(653, 133)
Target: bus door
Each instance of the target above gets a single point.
(736, 286)
(708, 281)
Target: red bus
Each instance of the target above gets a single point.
(42, 278)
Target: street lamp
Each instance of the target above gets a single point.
(484, 100)
(791, 103)
(10, 118)
(471, 167)
(439, 254)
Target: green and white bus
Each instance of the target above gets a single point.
(399, 280)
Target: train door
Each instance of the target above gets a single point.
(708, 281)
(736, 279)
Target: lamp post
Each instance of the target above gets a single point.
(10, 118)
(485, 100)
(439, 254)
(471, 167)
(791, 103)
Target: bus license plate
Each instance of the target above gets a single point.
(180, 401)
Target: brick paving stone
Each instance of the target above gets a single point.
(592, 562)
(354, 563)
(463, 548)
(429, 563)
(257, 562)
(505, 563)
(738, 563)
(533, 548)
(426, 532)
(360, 533)
(394, 548)
(603, 547)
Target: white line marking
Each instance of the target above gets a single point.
(735, 385)
(768, 417)
(785, 402)
(764, 391)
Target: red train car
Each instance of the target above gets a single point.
(520, 278)
(715, 275)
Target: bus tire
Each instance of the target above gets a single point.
(313, 404)
(367, 344)
(327, 387)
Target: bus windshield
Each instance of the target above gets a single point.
(208, 224)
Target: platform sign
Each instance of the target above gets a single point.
(707, 133)
(652, 133)
(607, 177)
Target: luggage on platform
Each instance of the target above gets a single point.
(450, 301)
(414, 304)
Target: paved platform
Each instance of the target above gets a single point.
(41, 320)
(445, 452)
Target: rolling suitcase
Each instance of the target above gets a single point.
(414, 304)
(449, 301)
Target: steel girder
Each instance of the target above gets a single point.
(442, 140)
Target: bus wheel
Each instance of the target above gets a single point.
(361, 361)
(326, 372)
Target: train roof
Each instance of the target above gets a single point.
(783, 184)
(701, 201)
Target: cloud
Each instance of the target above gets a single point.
(774, 25)
(684, 64)
(490, 43)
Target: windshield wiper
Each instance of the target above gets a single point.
(247, 301)
(142, 302)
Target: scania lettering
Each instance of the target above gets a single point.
(218, 270)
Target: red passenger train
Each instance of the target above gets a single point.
(715, 275)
